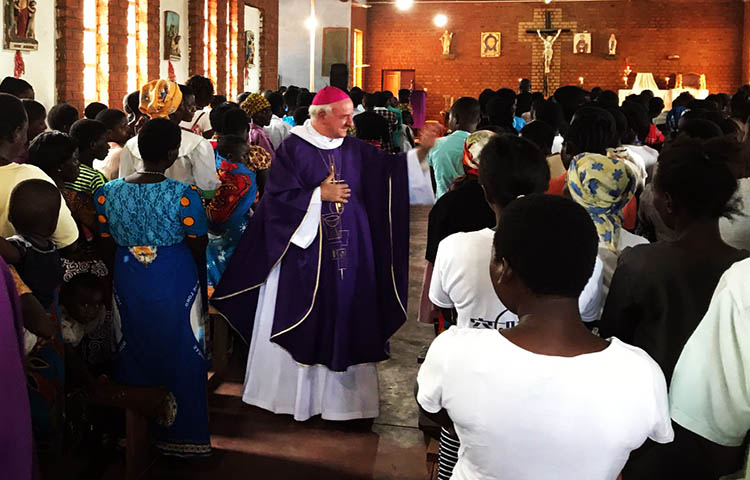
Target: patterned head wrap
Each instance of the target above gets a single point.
(472, 147)
(673, 118)
(603, 185)
(254, 103)
(160, 98)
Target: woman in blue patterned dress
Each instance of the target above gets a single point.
(157, 228)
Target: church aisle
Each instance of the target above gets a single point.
(251, 443)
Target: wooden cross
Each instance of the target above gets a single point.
(548, 26)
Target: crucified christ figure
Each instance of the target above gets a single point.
(548, 52)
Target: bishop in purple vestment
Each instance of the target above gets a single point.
(330, 240)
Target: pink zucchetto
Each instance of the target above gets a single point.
(329, 95)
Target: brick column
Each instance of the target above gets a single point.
(269, 44)
(118, 50)
(70, 52)
(746, 45)
(240, 63)
(195, 42)
(153, 41)
(221, 47)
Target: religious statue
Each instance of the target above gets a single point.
(548, 51)
(612, 45)
(445, 41)
(19, 25)
(172, 36)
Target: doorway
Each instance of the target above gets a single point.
(359, 58)
(395, 80)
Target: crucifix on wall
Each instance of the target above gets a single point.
(545, 72)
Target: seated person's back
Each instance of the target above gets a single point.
(546, 399)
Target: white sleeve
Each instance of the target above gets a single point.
(591, 301)
(204, 123)
(431, 374)
(203, 161)
(420, 184)
(308, 229)
(661, 429)
(127, 163)
(710, 391)
(438, 295)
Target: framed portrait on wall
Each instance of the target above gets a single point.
(582, 43)
(18, 25)
(491, 44)
(249, 48)
(172, 36)
(335, 48)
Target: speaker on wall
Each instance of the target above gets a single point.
(340, 76)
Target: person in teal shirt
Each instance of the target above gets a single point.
(446, 156)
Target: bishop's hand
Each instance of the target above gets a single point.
(331, 191)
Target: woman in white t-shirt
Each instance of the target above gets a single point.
(545, 399)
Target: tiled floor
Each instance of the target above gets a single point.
(250, 443)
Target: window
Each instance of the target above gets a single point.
(137, 49)
(359, 58)
(95, 51)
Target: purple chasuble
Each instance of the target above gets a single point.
(343, 297)
(15, 416)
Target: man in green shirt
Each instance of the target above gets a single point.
(446, 157)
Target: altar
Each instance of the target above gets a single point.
(645, 81)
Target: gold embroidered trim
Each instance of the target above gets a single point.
(390, 227)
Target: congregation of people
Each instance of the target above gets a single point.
(585, 271)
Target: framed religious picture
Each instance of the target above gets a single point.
(491, 44)
(582, 43)
(18, 25)
(172, 36)
(335, 48)
(249, 48)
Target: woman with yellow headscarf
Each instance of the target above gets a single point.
(195, 164)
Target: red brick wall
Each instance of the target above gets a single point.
(70, 53)
(221, 48)
(268, 46)
(69, 47)
(118, 50)
(707, 34)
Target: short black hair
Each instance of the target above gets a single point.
(698, 179)
(229, 143)
(31, 201)
(157, 137)
(551, 113)
(111, 117)
(570, 99)
(301, 114)
(186, 91)
(608, 99)
(404, 95)
(466, 108)
(637, 117)
(93, 109)
(700, 128)
(34, 110)
(540, 134)
(217, 116)
(305, 99)
(202, 88)
(235, 122)
(14, 86)
(593, 130)
(86, 131)
(510, 166)
(13, 117)
(217, 100)
(522, 239)
(277, 103)
(49, 150)
(655, 107)
(62, 116)
(621, 123)
(357, 95)
(740, 105)
(242, 97)
(133, 102)
(290, 98)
